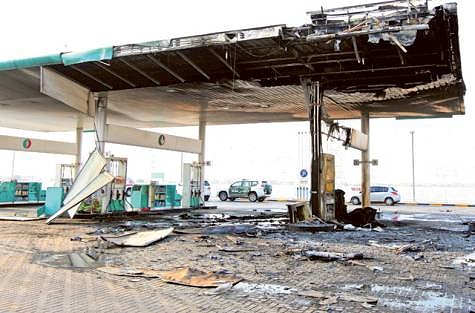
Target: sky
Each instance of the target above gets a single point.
(444, 148)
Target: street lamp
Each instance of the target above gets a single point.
(413, 176)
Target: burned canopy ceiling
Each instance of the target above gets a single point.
(392, 59)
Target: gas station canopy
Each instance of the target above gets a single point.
(390, 59)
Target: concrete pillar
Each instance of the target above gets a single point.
(365, 164)
(77, 160)
(100, 121)
(202, 138)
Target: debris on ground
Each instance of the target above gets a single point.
(373, 268)
(139, 239)
(331, 256)
(397, 248)
(298, 212)
(466, 260)
(222, 288)
(312, 294)
(351, 227)
(236, 249)
(361, 217)
(181, 276)
(130, 271)
(333, 299)
(73, 260)
(311, 227)
(261, 288)
(197, 278)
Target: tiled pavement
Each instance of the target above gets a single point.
(27, 286)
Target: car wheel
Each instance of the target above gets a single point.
(252, 197)
(206, 198)
(223, 195)
(232, 199)
(355, 201)
(261, 199)
(389, 201)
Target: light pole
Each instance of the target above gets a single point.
(413, 176)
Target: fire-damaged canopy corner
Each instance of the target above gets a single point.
(390, 59)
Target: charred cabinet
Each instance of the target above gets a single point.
(327, 187)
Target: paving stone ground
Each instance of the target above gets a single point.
(272, 275)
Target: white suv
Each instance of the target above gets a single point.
(254, 190)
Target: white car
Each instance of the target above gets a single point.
(386, 194)
(254, 190)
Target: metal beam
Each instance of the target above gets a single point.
(65, 90)
(141, 138)
(135, 68)
(193, 64)
(36, 145)
(166, 68)
(220, 58)
(91, 76)
(313, 99)
(108, 70)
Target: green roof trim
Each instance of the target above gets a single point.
(87, 56)
(30, 62)
(68, 58)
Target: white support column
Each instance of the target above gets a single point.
(202, 138)
(77, 161)
(100, 120)
(365, 164)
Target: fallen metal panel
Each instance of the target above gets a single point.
(36, 145)
(100, 181)
(141, 138)
(65, 90)
(91, 169)
(197, 278)
(140, 239)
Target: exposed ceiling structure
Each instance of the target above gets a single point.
(391, 59)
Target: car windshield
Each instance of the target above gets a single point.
(206, 183)
(393, 189)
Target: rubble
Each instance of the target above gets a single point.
(361, 217)
(197, 278)
(331, 256)
(129, 271)
(467, 260)
(139, 239)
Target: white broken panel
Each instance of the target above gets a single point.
(91, 169)
(97, 183)
(140, 239)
